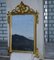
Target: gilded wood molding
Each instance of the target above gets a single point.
(22, 9)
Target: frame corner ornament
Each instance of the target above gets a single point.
(37, 53)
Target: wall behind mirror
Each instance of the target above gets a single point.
(23, 32)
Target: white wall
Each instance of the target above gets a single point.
(36, 5)
(21, 56)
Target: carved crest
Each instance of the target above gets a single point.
(23, 9)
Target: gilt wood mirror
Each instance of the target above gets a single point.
(22, 29)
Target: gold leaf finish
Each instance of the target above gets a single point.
(23, 9)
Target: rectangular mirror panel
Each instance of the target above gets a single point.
(23, 32)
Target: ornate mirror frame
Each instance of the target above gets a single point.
(23, 9)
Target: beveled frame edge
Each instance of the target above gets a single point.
(22, 12)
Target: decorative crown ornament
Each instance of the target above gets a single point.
(23, 9)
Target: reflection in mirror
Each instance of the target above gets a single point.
(23, 32)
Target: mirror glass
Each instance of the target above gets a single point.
(23, 32)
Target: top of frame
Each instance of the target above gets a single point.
(22, 9)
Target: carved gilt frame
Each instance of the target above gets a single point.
(22, 9)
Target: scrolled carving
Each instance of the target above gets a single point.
(22, 9)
